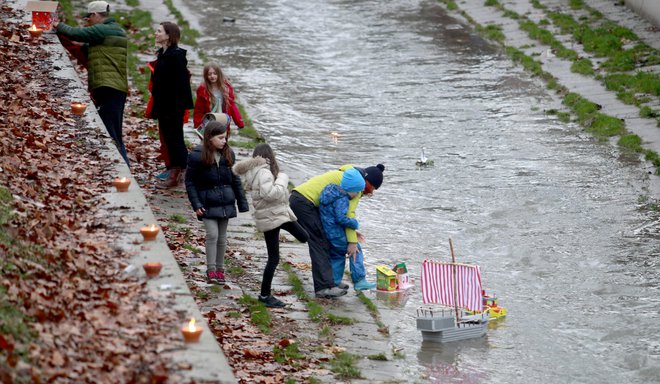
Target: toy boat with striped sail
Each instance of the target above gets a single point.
(457, 289)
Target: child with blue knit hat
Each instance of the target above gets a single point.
(333, 210)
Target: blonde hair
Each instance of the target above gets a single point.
(221, 84)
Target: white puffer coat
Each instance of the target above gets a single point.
(270, 197)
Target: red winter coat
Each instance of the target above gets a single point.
(203, 106)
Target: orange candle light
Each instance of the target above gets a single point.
(78, 108)
(191, 333)
(34, 31)
(152, 269)
(121, 184)
(149, 233)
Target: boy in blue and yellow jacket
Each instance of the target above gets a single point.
(333, 209)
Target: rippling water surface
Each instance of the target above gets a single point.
(550, 215)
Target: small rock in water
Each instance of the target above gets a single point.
(228, 19)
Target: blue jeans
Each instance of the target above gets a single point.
(338, 262)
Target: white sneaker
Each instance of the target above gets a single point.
(329, 293)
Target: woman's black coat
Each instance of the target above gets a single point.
(171, 82)
(214, 187)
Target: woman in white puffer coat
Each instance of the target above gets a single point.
(270, 197)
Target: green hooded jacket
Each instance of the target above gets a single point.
(107, 50)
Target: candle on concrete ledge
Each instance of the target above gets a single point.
(152, 269)
(34, 31)
(149, 233)
(78, 108)
(191, 332)
(121, 183)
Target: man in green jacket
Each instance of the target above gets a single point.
(106, 47)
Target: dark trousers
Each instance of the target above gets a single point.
(273, 247)
(170, 124)
(319, 247)
(110, 104)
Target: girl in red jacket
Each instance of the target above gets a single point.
(215, 95)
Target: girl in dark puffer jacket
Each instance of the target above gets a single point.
(214, 191)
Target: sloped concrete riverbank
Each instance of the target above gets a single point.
(505, 15)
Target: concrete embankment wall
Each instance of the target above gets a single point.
(648, 9)
(203, 361)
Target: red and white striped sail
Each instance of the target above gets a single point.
(438, 285)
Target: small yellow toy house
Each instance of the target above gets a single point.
(386, 279)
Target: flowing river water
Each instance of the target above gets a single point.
(552, 217)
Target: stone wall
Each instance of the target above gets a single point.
(649, 9)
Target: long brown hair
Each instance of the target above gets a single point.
(212, 129)
(265, 151)
(221, 84)
(173, 33)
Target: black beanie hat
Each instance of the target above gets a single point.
(374, 175)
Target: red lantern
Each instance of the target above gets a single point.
(44, 13)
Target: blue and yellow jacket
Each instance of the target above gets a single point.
(313, 187)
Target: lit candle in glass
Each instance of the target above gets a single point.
(149, 233)
(78, 108)
(191, 333)
(121, 184)
(152, 269)
(34, 31)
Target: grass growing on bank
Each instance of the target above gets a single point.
(258, 313)
(373, 311)
(288, 353)
(599, 124)
(609, 40)
(233, 268)
(493, 32)
(316, 311)
(344, 366)
(178, 218)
